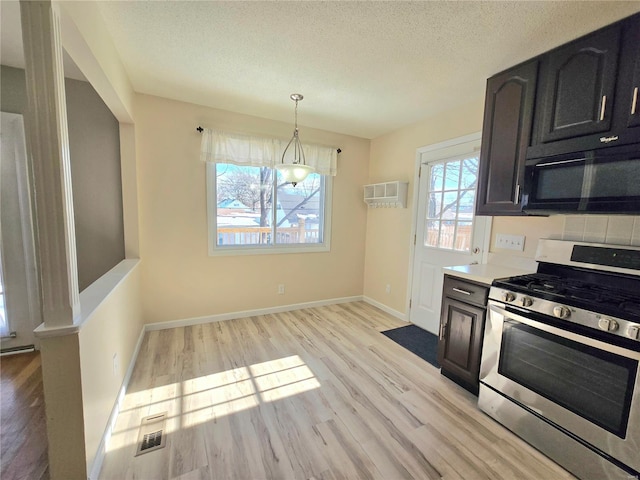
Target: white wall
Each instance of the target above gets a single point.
(113, 330)
(180, 280)
(393, 157)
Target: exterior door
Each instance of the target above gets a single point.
(447, 231)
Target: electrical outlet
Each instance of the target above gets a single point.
(510, 242)
(281, 289)
(116, 364)
(388, 289)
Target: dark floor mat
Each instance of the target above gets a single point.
(424, 344)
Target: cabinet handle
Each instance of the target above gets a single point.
(602, 108)
(442, 327)
(461, 291)
(516, 199)
(635, 101)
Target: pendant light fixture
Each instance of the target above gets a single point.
(293, 167)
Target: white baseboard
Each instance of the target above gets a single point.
(94, 469)
(186, 322)
(386, 309)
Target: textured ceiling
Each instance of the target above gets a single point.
(11, 41)
(365, 68)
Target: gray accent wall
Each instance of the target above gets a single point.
(94, 144)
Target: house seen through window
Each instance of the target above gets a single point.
(251, 208)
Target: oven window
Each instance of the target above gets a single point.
(592, 383)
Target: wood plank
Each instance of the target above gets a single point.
(23, 432)
(316, 393)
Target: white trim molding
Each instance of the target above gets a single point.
(399, 315)
(48, 138)
(187, 322)
(91, 298)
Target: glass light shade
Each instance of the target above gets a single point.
(294, 172)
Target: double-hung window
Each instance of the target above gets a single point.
(252, 210)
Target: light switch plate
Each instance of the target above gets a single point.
(510, 242)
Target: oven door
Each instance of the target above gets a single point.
(584, 386)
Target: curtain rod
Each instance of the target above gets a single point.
(199, 129)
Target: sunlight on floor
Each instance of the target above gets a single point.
(209, 397)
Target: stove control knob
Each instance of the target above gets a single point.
(508, 297)
(561, 311)
(633, 331)
(526, 301)
(607, 324)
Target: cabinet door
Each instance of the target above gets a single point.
(460, 344)
(506, 133)
(634, 104)
(579, 82)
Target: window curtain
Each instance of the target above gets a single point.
(247, 150)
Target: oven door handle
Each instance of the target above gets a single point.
(607, 347)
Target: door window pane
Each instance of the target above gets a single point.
(449, 221)
(432, 233)
(447, 234)
(463, 236)
(452, 176)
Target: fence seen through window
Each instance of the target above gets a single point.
(254, 207)
(452, 190)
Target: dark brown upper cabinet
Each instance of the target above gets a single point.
(585, 95)
(578, 82)
(633, 90)
(506, 135)
(581, 96)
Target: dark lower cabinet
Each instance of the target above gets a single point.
(461, 331)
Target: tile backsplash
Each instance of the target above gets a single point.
(614, 229)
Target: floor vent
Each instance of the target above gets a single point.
(152, 436)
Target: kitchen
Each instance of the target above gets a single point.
(553, 355)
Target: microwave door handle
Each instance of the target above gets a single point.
(560, 162)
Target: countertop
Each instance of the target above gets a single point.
(484, 273)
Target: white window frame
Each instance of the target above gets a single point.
(459, 157)
(226, 250)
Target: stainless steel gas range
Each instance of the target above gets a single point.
(561, 354)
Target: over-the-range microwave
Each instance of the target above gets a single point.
(596, 181)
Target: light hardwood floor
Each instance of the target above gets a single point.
(317, 393)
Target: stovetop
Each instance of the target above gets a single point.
(593, 288)
(605, 296)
